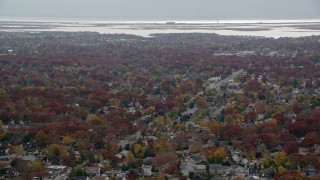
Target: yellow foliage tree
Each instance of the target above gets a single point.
(18, 150)
(281, 169)
(220, 154)
(163, 146)
(93, 119)
(114, 102)
(272, 122)
(216, 155)
(213, 126)
(233, 119)
(139, 150)
(37, 168)
(175, 111)
(169, 121)
(160, 122)
(203, 123)
(67, 140)
(278, 109)
(266, 161)
(281, 159)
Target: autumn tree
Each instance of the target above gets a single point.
(267, 161)
(37, 169)
(251, 116)
(162, 159)
(298, 128)
(163, 145)
(231, 131)
(269, 139)
(67, 140)
(216, 155)
(179, 141)
(290, 147)
(213, 126)
(129, 159)
(195, 146)
(160, 122)
(55, 152)
(298, 160)
(19, 150)
(289, 175)
(201, 103)
(310, 140)
(139, 150)
(93, 120)
(19, 165)
(286, 137)
(281, 160)
(42, 138)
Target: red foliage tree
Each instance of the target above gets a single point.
(231, 131)
(290, 147)
(286, 137)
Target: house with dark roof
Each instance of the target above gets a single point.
(198, 159)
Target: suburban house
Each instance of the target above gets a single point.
(194, 164)
(236, 170)
(199, 170)
(112, 172)
(146, 170)
(94, 171)
(54, 169)
(218, 169)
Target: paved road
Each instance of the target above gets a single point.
(216, 85)
(132, 138)
(225, 80)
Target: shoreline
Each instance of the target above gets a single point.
(145, 29)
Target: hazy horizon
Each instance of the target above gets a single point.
(160, 10)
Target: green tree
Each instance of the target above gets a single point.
(78, 171)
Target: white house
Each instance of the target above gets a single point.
(147, 170)
(93, 171)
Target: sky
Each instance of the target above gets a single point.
(162, 9)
